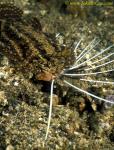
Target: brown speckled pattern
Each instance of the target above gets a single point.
(27, 47)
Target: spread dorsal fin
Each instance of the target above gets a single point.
(10, 12)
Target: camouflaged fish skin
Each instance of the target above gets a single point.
(10, 12)
(28, 49)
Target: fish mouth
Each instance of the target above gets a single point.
(46, 76)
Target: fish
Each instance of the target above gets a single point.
(27, 48)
